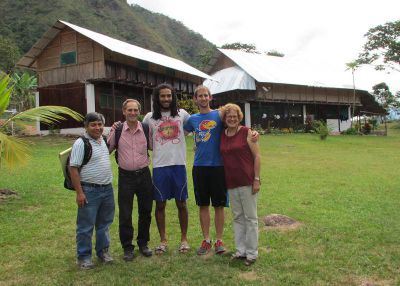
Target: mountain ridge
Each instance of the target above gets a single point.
(23, 22)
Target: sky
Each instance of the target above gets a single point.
(321, 35)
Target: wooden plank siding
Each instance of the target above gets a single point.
(121, 73)
(148, 71)
(107, 94)
(304, 94)
(89, 60)
(70, 95)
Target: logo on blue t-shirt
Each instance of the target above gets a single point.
(203, 132)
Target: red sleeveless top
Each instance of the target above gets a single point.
(238, 159)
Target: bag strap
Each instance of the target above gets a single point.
(146, 134)
(117, 134)
(87, 151)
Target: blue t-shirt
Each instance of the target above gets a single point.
(207, 130)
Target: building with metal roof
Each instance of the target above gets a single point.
(88, 71)
(277, 92)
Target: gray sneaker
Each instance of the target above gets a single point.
(204, 248)
(85, 264)
(219, 247)
(105, 256)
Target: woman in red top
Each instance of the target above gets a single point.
(241, 158)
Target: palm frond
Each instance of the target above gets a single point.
(5, 91)
(13, 151)
(46, 114)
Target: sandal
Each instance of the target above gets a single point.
(249, 262)
(184, 247)
(237, 256)
(161, 249)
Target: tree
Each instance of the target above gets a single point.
(22, 96)
(353, 66)
(383, 43)
(383, 95)
(14, 151)
(9, 52)
(205, 57)
(248, 48)
(275, 53)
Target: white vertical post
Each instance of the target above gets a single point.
(247, 115)
(37, 104)
(349, 110)
(90, 98)
(304, 114)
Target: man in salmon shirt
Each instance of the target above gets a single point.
(133, 179)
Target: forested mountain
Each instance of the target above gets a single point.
(22, 22)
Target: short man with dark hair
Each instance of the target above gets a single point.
(133, 179)
(94, 193)
(169, 161)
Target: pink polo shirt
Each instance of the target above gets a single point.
(132, 148)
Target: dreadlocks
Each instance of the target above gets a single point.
(156, 101)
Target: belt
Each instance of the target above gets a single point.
(134, 172)
(94, 185)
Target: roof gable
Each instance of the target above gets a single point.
(117, 46)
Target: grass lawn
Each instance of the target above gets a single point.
(345, 191)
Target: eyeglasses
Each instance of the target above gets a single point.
(232, 116)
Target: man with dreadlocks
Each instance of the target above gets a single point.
(169, 160)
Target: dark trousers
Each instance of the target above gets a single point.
(131, 183)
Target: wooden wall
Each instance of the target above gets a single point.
(110, 96)
(296, 93)
(122, 73)
(70, 95)
(89, 60)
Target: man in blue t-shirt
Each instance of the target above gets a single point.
(208, 170)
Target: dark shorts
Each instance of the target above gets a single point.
(170, 182)
(209, 183)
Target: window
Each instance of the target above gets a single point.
(68, 58)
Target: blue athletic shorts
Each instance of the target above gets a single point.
(170, 182)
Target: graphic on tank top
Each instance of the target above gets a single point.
(203, 132)
(168, 130)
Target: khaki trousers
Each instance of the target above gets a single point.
(245, 221)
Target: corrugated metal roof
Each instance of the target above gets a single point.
(230, 79)
(271, 69)
(111, 44)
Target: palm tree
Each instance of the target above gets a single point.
(353, 66)
(14, 151)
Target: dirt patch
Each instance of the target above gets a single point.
(367, 281)
(250, 276)
(374, 282)
(6, 193)
(280, 222)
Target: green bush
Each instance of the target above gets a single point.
(350, 131)
(188, 105)
(321, 128)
